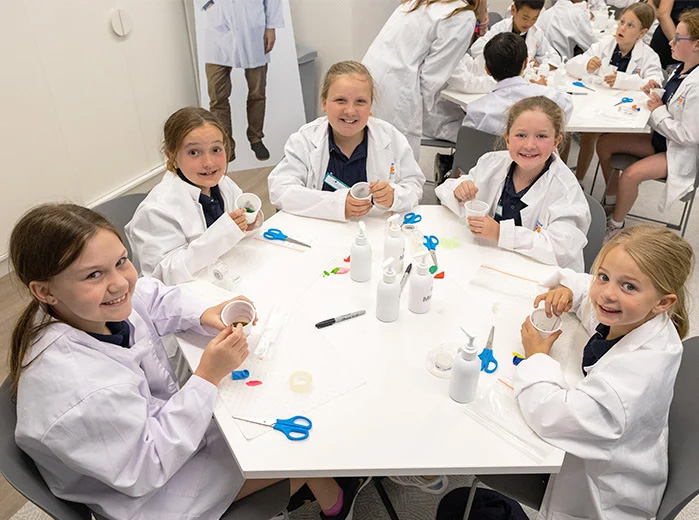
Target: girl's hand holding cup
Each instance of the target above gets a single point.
(382, 193)
(654, 101)
(556, 301)
(594, 64)
(355, 207)
(238, 216)
(223, 354)
(467, 190)
(532, 341)
(484, 227)
(650, 85)
(211, 317)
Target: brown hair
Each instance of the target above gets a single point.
(179, 124)
(540, 104)
(342, 68)
(644, 13)
(665, 257)
(45, 241)
(471, 5)
(690, 18)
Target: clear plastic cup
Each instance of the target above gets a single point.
(659, 91)
(543, 324)
(239, 311)
(251, 203)
(360, 191)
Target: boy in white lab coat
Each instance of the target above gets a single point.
(567, 25)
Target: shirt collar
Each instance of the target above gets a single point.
(215, 190)
(359, 152)
(508, 82)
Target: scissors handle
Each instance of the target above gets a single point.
(487, 360)
(295, 428)
(274, 234)
(412, 218)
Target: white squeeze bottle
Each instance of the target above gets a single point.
(464, 374)
(394, 244)
(360, 256)
(560, 76)
(420, 296)
(388, 294)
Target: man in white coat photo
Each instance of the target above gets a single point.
(240, 35)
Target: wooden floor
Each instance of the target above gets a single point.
(14, 297)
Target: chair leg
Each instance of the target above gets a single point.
(385, 498)
(688, 209)
(471, 496)
(594, 178)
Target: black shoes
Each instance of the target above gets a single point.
(261, 152)
(351, 486)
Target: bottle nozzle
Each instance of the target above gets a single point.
(394, 220)
(362, 228)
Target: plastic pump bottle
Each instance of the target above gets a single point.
(559, 77)
(464, 375)
(360, 256)
(394, 244)
(388, 294)
(420, 296)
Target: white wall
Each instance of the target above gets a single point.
(82, 109)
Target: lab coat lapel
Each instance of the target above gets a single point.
(534, 198)
(379, 156)
(636, 58)
(319, 156)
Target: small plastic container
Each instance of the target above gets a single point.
(440, 361)
(252, 205)
(475, 208)
(659, 91)
(360, 191)
(239, 311)
(543, 324)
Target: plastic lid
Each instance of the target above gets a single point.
(389, 273)
(361, 236)
(422, 267)
(394, 230)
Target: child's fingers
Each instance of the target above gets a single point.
(538, 299)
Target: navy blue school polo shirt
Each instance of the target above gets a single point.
(349, 170)
(120, 333)
(658, 140)
(510, 204)
(212, 206)
(620, 62)
(597, 346)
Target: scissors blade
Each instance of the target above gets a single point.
(433, 254)
(489, 343)
(263, 422)
(294, 241)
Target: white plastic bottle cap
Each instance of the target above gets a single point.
(301, 381)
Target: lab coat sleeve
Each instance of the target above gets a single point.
(547, 51)
(274, 14)
(478, 46)
(684, 131)
(408, 190)
(453, 37)
(445, 192)
(651, 70)
(466, 79)
(288, 190)
(162, 248)
(111, 435)
(585, 421)
(583, 33)
(577, 66)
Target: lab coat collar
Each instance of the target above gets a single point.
(510, 82)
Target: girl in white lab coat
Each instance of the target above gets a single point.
(190, 219)
(613, 424)
(414, 55)
(537, 208)
(328, 156)
(670, 152)
(98, 407)
(624, 61)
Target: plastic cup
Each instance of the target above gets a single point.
(239, 311)
(659, 91)
(606, 70)
(360, 191)
(543, 324)
(474, 208)
(251, 203)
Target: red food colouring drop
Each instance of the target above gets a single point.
(347, 259)
(254, 383)
(439, 275)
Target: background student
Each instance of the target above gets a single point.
(98, 408)
(536, 206)
(414, 55)
(189, 219)
(613, 425)
(670, 152)
(623, 60)
(567, 26)
(328, 156)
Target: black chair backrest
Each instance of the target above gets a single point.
(595, 235)
(471, 144)
(119, 211)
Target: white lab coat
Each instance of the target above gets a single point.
(411, 60)
(651, 31)
(613, 425)
(168, 231)
(565, 25)
(555, 221)
(235, 29)
(296, 184)
(538, 47)
(489, 113)
(679, 123)
(643, 66)
(109, 427)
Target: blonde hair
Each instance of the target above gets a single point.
(644, 13)
(471, 5)
(343, 68)
(179, 124)
(539, 104)
(690, 18)
(665, 257)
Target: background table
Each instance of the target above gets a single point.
(402, 420)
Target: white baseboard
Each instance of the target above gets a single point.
(131, 186)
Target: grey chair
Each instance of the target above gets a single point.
(595, 235)
(19, 470)
(119, 212)
(471, 144)
(261, 505)
(526, 489)
(494, 18)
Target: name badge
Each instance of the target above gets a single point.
(498, 210)
(334, 182)
(207, 5)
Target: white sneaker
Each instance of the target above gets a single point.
(612, 230)
(435, 486)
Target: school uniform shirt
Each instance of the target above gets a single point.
(566, 26)
(678, 122)
(349, 170)
(295, 185)
(169, 234)
(412, 58)
(109, 426)
(538, 46)
(556, 217)
(613, 425)
(489, 113)
(643, 64)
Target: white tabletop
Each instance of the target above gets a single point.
(592, 111)
(402, 420)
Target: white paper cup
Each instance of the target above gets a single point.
(606, 70)
(659, 91)
(251, 203)
(360, 191)
(545, 325)
(239, 311)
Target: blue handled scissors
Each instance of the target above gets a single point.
(431, 242)
(624, 100)
(276, 234)
(295, 428)
(411, 218)
(486, 355)
(581, 84)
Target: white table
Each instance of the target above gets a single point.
(402, 420)
(592, 111)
